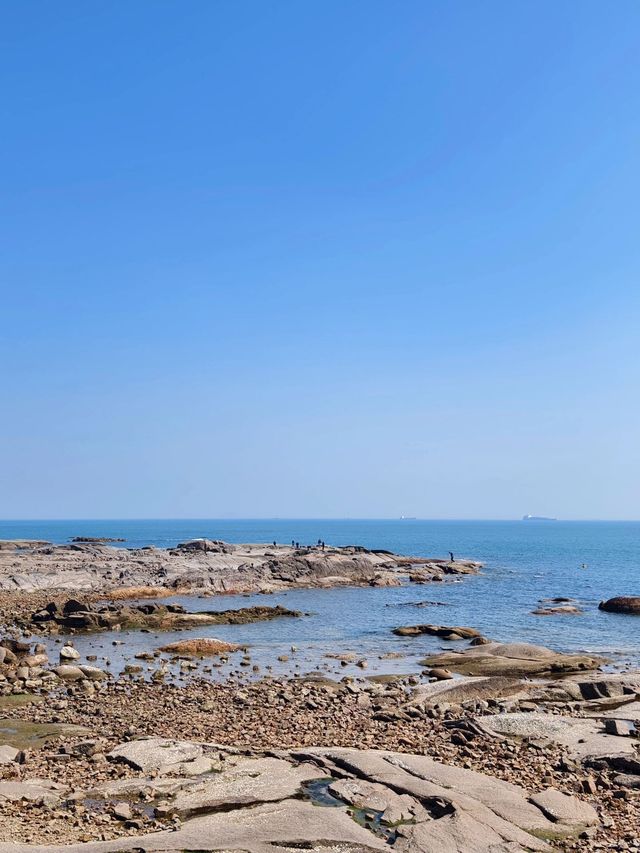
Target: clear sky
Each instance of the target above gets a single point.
(326, 258)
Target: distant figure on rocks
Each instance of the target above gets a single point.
(293, 543)
(452, 557)
(323, 544)
(274, 543)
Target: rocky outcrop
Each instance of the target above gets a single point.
(443, 631)
(622, 604)
(209, 566)
(84, 616)
(513, 660)
(355, 801)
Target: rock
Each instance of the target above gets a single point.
(93, 673)
(511, 659)
(69, 653)
(584, 739)
(39, 791)
(161, 755)
(622, 604)
(249, 782)
(565, 810)
(395, 808)
(627, 780)
(122, 811)
(439, 674)
(560, 610)
(72, 606)
(465, 811)
(203, 646)
(460, 690)
(9, 754)
(617, 727)
(206, 545)
(68, 672)
(444, 631)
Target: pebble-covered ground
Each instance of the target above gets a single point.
(279, 715)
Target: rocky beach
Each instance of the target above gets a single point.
(486, 746)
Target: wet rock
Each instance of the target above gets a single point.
(622, 604)
(559, 610)
(444, 631)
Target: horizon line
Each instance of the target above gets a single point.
(305, 518)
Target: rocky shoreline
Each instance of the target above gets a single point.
(210, 567)
(487, 748)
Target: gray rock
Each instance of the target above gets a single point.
(93, 673)
(68, 672)
(565, 810)
(250, 781)
(9, 754)
(161, 755)
(40, 791)
(69, 653)
(513, 660)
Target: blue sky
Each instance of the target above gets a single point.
(320, 259)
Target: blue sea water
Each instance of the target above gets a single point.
(524, 562)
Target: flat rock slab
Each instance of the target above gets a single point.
(250, 781)
(461, 690)
(268, 828)
(40, 791)
(160, 755)
(512, 659)
(560, 808)
(8, 753)
(584, 738)
(257, 804)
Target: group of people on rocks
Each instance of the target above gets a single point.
(294, 544)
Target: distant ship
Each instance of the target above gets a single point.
(537, 518)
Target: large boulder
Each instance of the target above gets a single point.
(206, 546)
(622, 604)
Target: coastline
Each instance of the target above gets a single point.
(511, 712)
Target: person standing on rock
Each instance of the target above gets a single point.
(451, 556)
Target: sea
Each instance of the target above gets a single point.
(525, 562)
